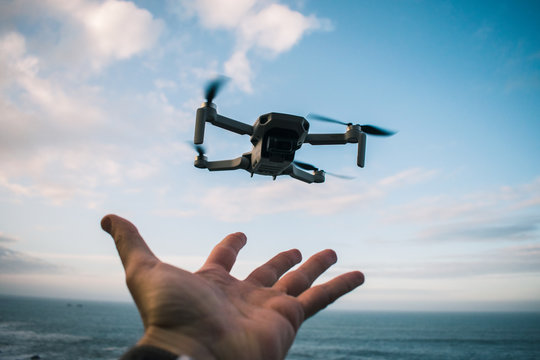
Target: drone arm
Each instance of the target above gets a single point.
(304, 176)
(241, 162)
(232, 125)
(327, 139)
(353, 135)
(208, 113)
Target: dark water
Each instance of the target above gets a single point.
(62, 329)
(54, 330)
(340, 335)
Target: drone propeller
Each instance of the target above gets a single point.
(208, 110)
(305, 166)
(200, 160)
(310, 167)
(199, 148)
(368, 129)
(213, 88)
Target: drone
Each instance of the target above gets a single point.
(275, 138)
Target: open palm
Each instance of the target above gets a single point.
(210, 314)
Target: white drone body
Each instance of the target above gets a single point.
(275, 137)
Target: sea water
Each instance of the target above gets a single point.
(63, 329)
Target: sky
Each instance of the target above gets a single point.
(97, 109)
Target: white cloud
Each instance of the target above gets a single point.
(15, 262)
(239, 68)
(105, 31)
(87, 34)
(38, 118)
(15, 63)
(219, 14)
(243, 203)
(409, 176)
(522, 259)
(507, 213)
(45, 102)
(164, 84)
(6, 239)
(55, 130)
(63, 173)
(480, 206)
(276, 28)
(67, 285)
(502, 228)
(118, 29)
(257, 24)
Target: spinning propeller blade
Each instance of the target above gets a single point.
(374, 130)
(309, 167)
(213, 87)
(368, 129)
(305, 166)
(340, 176)
(327, 119)
(199, 148)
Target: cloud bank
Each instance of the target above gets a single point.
(244, 203)
(15, 262)
(53, 119)
(258, 25)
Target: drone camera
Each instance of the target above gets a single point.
(280, 145)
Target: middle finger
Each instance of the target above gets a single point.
(296, 282)
(270, 272)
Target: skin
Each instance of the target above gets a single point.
(209, 314)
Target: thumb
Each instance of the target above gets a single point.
(131, 247)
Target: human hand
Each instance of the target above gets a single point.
(209, 314)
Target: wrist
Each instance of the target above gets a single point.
(146, 352)
(176, 343)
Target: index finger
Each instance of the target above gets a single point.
(224, 254)
(131, 246)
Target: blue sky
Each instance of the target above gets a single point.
(98, 99)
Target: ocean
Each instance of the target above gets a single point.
(77, 330)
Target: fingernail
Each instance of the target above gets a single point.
(361, 278)
(333, 256)
(106, 224)
(242, 236)
(297, 255)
